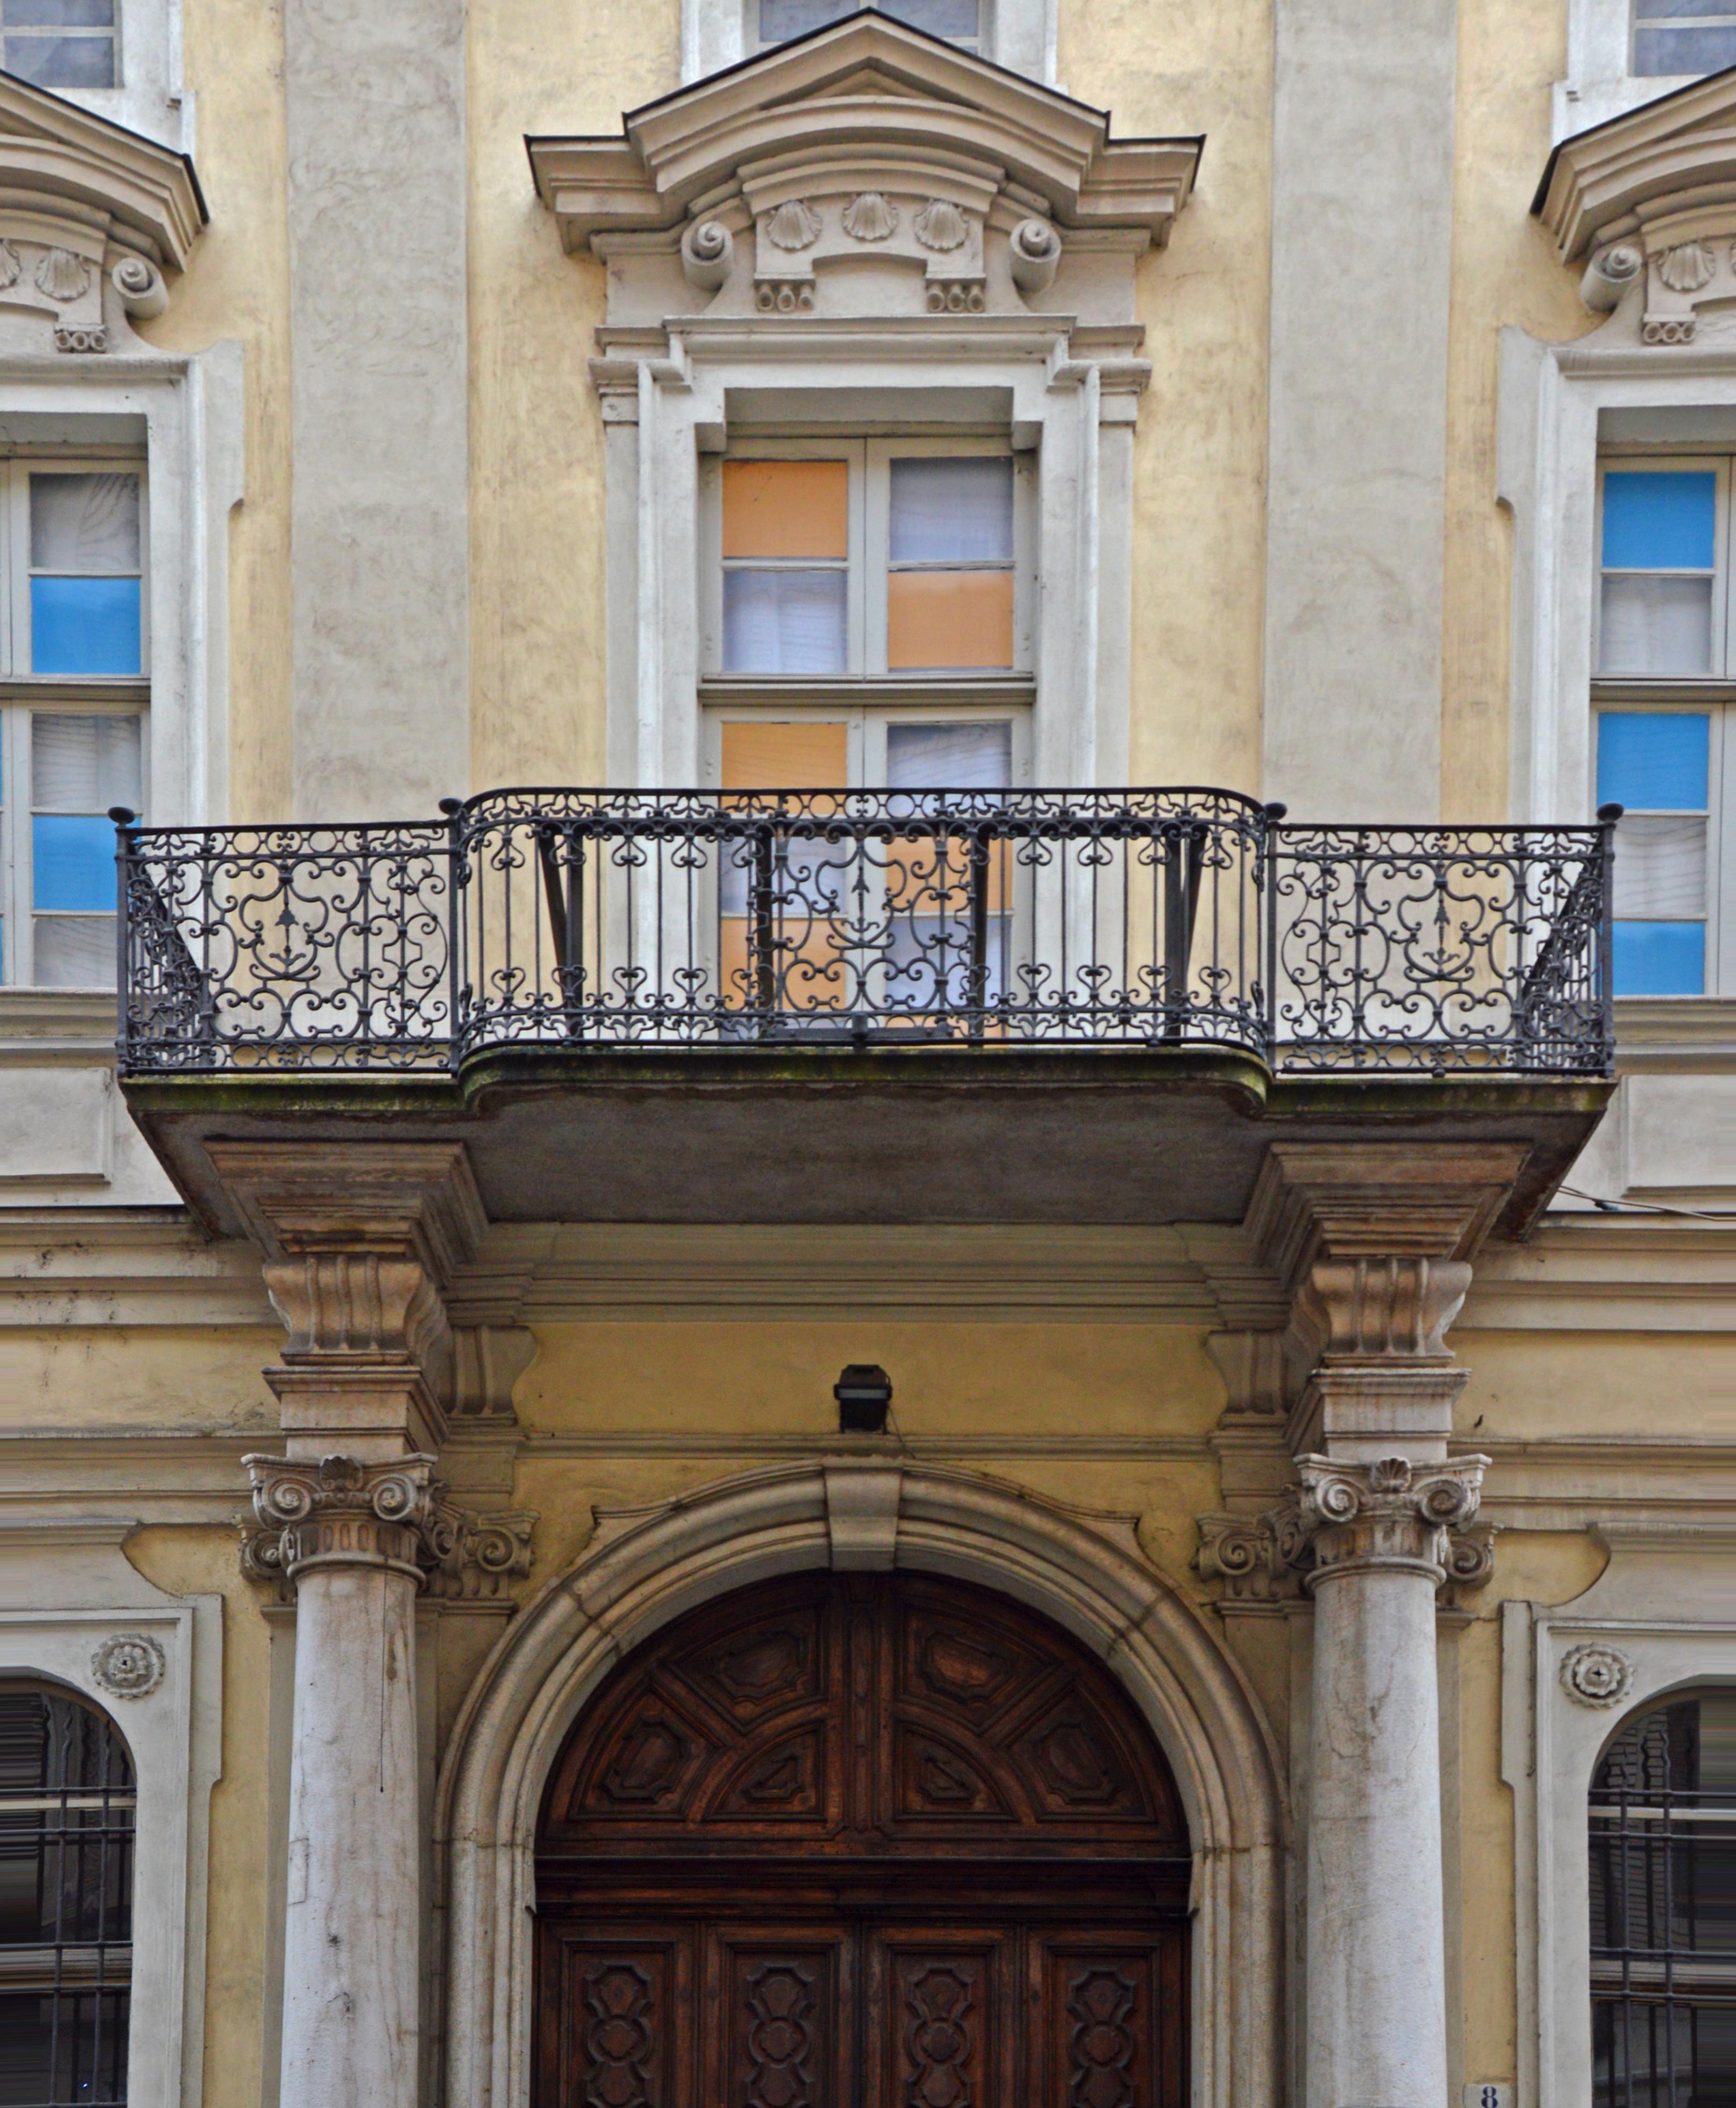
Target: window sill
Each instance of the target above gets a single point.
(1669, 1031)
(40, 1019)
(926, 689)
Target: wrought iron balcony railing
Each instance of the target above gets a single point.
(657, 920)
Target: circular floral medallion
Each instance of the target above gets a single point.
(1596, 1675)
(128, 1664)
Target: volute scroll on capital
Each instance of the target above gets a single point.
(341, 1512)
(1389, 1513)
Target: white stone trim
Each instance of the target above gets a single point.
(66, 1587)
(1553, 396)
(714, 34)
(1597, 85)
(189, 412)
(1663, 1604)
(645, 1567)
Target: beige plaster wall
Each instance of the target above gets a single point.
(158, 1379)
(1182, 66)
(537, 636)
(238, 288)
(1503, 272)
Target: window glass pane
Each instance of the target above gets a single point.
(1660, 520)
(72, 862)
(949, 756)
(780, 20)
(790, 508)
(60, 14)
(1659, 958)
(1659, 624)
(1653, 761)
(767, 756)
(784, 622)
(62, 61)
(1660, 52)
(84, 626)
(940, 18)
(75, 951)
(84, 764)
(84, 523)
(1660, 869)
(952, 511)
(949, 621)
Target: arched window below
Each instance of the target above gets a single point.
(66, 1817)
(1663, 1907)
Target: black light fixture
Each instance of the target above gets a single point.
(864, 1396)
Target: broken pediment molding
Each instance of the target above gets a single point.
(869, 154)
(1647, 200)
(91, 217)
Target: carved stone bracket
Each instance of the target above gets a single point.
(341, 1512)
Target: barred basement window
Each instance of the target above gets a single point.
(66, 1813)
(1663, 1907)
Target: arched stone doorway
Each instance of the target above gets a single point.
(860, 1840)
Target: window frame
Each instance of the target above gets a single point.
(753, 45)
(25, 694)
(870, 457)
(866, 725)
(1675, 21)
(82, 32)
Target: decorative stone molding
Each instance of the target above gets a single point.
(1267, 1559)
(869, 143)
(707, 254)
(360, 1242)
(341, 1512)
(129, 1666)
(1596, 1675)
(488, 1360)
(1650, 198)
(91, 217)
(1388, 1514)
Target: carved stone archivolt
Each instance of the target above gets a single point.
(342, 1511)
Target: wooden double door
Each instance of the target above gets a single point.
(861, 1841)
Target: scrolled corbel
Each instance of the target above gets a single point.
(708, 252)
(1609, 274)
(1034, 248)
(139, 285)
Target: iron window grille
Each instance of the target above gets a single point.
(1663, 1913)
(67, 1801)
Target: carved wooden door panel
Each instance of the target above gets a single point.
(861, 1841)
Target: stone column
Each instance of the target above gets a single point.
(360, 1240)
(1373, 1245)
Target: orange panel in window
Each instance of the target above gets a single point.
(785, 757)
(786, 508)
(937, 618)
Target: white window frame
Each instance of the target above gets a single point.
(1662, 1605)
(25, 695)
(1019, 35)
(149, 94)
(752, 43)
(869, 561)
(1600, 83)
(66, 1587)
(866, 724)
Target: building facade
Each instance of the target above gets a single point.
(735, 1382)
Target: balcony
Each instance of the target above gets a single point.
(1086, 1005)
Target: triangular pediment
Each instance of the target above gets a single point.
(871, 92)
(1667, 161)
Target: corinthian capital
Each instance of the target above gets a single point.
(1390, 1513)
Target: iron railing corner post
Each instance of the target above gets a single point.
(1271, 818)
(1608, 817)
(453, 809)
(125, 820)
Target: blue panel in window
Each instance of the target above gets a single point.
(1660, 520)
(72, 863)
(84, 626)
(1653, 761)
(1659, 958)
(1664, 52)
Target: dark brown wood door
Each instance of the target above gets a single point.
(861, 1841)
